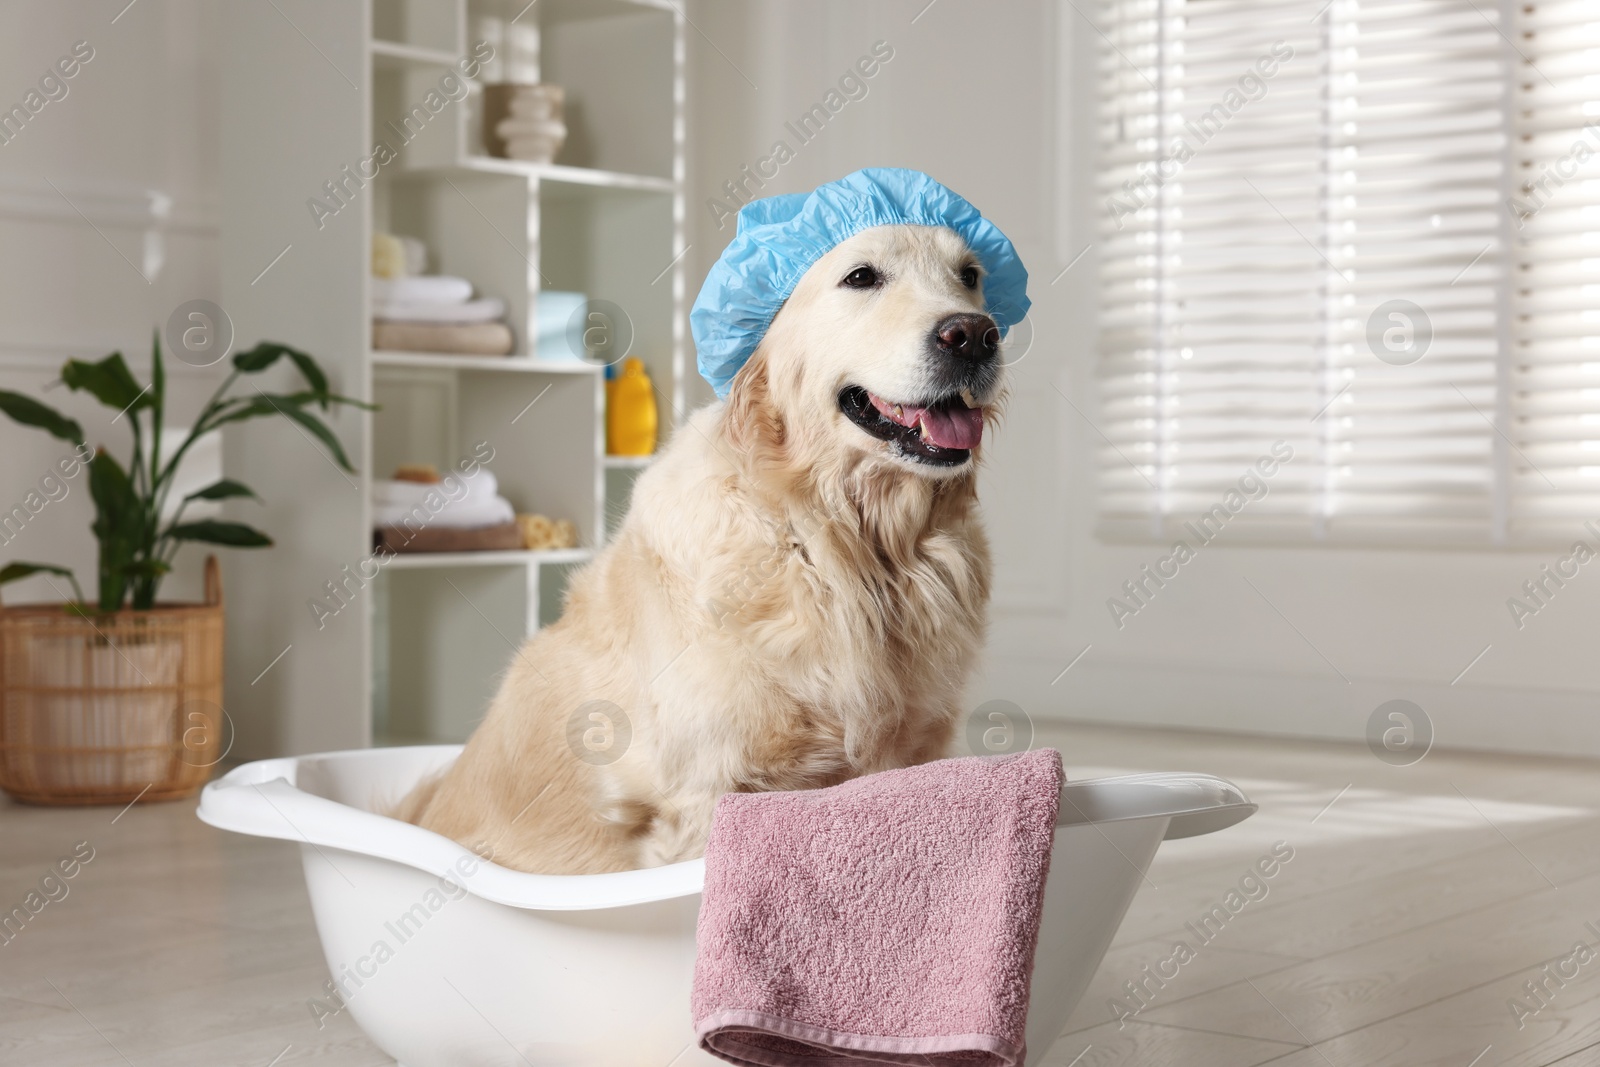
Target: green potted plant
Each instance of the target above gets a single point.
(108, 700)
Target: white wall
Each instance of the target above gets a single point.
(132, 147)
(996, 100)
(975, 94)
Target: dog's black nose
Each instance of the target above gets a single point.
(968, 336)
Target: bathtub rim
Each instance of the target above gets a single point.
(261, 799)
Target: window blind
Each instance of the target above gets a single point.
(1555, 359)
(1318, 237)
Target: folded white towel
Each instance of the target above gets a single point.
(456, 515)
(487, 309)
(434, 288)
(481, 486)
(456, 501)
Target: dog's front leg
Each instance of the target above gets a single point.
(680, 827)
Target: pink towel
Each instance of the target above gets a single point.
(891, 919)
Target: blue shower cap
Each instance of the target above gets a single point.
(780, 237)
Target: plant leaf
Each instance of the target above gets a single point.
(29, 412)
(113, 499)
(12, 572)
(289, 407)
(312, 374)
(118, 525)
(364, 405)
(258, 358)
(267, 353)
(146, 568)
(109, 381)
(322, 432)
(222, 490)
(234, 534)
(240, 408)
(158, 372)
(287, 398)
(158, 402)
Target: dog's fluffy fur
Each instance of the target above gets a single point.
(790, 602)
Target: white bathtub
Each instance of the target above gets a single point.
(498, 967)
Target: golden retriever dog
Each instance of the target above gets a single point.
(796, 597)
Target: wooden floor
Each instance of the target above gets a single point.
(1418, 903)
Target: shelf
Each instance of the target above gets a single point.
(506, 558)
(569, 10)
(555, 172)
(512, 364)
(393, 55)
(422, 655)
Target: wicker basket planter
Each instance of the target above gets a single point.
(108, 708)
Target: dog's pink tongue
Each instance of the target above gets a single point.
(951, 427)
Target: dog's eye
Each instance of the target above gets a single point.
(861, 278)
(969, 277)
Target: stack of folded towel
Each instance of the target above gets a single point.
(413, 312)
(455, 513)
(891, 919)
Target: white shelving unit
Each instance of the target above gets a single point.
(490, 559)
(415, 653)
(498, 364)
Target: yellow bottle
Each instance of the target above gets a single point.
(631, 412)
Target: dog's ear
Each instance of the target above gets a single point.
(754, 424)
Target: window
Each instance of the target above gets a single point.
(1362, 232)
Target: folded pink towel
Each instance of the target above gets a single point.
(891, 919)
